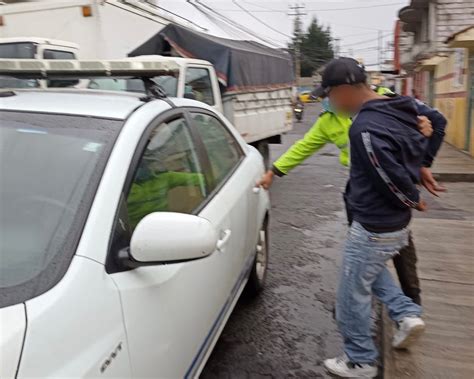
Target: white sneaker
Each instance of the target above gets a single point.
(409, 329)
(343, 367)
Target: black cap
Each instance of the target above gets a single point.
(340, 71)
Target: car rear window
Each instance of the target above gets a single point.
(50, 167)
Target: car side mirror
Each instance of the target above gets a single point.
(164, 237)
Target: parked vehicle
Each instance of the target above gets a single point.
(130, 226)
(35, 48)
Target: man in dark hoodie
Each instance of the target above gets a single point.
(387, 151)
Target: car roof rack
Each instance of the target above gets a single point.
(86, 69)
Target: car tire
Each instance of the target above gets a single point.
(258, 273)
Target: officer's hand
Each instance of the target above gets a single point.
(424, 126)
(429, 182)
(422, 207)
(266, 180)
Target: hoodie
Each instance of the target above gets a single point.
(387, 152)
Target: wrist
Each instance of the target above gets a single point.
(276, 171)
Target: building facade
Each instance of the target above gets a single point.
(435, 58)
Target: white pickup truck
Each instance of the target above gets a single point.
(261, 116)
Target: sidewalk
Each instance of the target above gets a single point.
(453, 165)
(444, 237)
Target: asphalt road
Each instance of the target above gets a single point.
(288, 331)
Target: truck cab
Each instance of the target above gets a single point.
(197, 80)
(37, 48)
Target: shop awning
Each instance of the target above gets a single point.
(463, 38)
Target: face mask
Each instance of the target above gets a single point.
(327, 105)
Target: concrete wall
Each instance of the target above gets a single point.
(451, 96)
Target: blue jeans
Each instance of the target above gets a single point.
(364, 272)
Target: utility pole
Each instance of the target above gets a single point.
(297, 11)
(379, 49)
(337, 47)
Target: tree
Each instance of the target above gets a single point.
(315, 48)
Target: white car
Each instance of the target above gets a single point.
(128, 230)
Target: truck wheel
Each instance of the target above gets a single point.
(264, 149)
(258, 273)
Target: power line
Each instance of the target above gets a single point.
(366, 41)
(259, 20)
(149, 3)
(234, 24)
(229, 29)
(260, 6)
(268, 10)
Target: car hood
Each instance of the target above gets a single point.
(13, 327)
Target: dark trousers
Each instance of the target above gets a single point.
(405, 265)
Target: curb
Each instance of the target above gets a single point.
(453, 177)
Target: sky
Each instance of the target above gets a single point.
(356, 23)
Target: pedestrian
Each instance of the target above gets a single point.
(334, 128)
(387, 151)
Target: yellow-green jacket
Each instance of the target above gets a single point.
(329, 128)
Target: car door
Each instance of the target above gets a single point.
(233, 172)
(173, 311)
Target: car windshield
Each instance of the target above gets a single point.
(50, 166)
(167, 82)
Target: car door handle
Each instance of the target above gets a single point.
(224, 240)
(256, 190)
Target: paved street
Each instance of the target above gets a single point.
(289, 330)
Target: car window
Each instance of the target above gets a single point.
(50, 168)
(18, 50)
(222, 148)
(198, 85)
(169, 176)
(58, 54)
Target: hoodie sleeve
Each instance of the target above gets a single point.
(390, 178)
(438, 121)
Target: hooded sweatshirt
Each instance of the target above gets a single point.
(387, 152)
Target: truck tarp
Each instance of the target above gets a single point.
(240, 65)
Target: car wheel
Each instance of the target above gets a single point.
(258, 272)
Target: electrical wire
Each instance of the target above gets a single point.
(231, 30)
(366, 41)
(315, 10)
(237, 25)
(259, 20)
(149, 3)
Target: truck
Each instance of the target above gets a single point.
(250, 83)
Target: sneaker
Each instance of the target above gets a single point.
(344, 368)
(409, 329)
